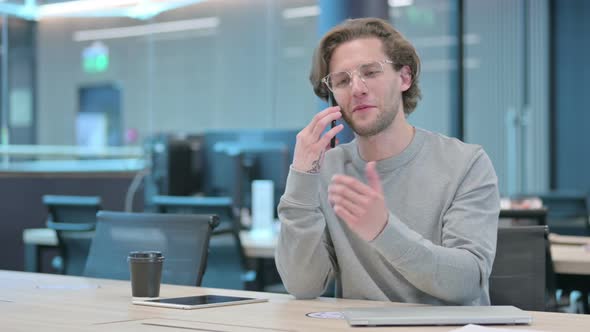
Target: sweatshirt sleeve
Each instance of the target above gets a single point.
(457, 270)
(305, 255)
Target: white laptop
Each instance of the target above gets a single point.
(436, 315)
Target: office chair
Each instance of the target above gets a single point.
(523, 217)
(223, 206)
(183, 240)
(553, 280)
(519, 272)
(73, 218)
(227, 257)
(568, 212)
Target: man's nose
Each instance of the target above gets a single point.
(358, 84)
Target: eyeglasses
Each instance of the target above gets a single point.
(340, 81)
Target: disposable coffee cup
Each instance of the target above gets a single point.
(146, 272)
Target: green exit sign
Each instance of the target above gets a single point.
(95, 58)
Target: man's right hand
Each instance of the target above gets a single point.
(311, 144)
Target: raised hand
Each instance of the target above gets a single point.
(311, 144)
(361, 206)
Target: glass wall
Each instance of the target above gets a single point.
(507, 89)
(431, 25)
(225, 64)
(505, 80)
(215, 64)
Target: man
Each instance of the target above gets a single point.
(398, 214)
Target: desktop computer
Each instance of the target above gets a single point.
(177, 164)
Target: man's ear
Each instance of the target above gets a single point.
(406, 76)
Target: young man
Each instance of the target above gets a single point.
(398, 214)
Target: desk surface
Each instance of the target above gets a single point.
(571, 259)
(32, 301)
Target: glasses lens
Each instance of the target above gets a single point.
(370, 70)
(339, 80)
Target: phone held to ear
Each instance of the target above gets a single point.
(332, 102)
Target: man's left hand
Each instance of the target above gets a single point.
(361, 206)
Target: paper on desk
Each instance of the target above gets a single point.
(479, 328)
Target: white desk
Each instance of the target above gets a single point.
(571, 259)
(44, 302)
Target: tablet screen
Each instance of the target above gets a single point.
(196, 302)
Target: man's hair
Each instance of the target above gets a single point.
(395, 46)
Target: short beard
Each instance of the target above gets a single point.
(383, 121)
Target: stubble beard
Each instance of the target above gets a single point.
(383, 121)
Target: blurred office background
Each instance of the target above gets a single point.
(104, 85)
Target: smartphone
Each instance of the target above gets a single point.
(332, 102)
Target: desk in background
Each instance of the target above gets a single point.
(571, 260)
(567, 258)
(36, 239)
(24, 183)
(32, 301)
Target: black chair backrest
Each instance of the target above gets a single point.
(518, 274)
(183, 240)
(74, 219)
(568, 212)
(225, 250)
(523, 217)
(223, 207)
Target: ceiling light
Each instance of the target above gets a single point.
(299, 12)
(400, 3)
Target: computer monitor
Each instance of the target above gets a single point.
(176, 164)
(237, 157)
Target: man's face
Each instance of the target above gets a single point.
(371, 106)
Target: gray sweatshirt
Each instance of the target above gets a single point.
(439, 242)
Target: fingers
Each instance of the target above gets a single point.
(361, 189)
(323, 122)
(349, 206)
(325, 140)
(346, 198)
(309, 146)
(321, 115)
(344, 214)
(338, 192)
(329, 145)
(361, 206)
(373, 177)
(340, 203)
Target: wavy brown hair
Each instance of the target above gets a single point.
(396, 47)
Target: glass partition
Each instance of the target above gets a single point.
(113, 73)
(431, 25)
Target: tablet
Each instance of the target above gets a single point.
(198, 302)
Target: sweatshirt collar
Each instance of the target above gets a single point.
(393, 162)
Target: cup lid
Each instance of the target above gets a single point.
(146, 255)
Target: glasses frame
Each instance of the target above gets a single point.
(326, 78)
